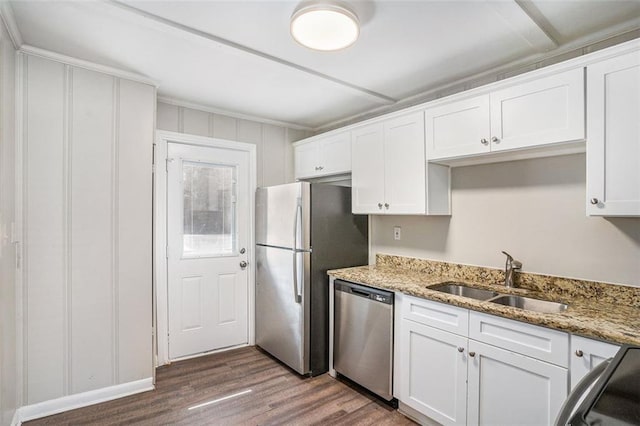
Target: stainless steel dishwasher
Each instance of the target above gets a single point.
(363, 343)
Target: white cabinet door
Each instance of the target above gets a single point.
(324, 157)
(335, 154)
(613, 137)
(587, 354)
(458, 129)
(404, 165)
(510, 389)
(306, 159)
(543, 111)
(434, 373)
(367, 163)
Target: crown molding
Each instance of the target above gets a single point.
(81, 63)
(9, 20)
(186, 104)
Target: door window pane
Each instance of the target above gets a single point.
(209, 209)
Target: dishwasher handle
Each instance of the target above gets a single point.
(371, 293)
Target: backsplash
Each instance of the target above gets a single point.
(565, 288)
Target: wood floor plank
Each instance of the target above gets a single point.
(266, 393)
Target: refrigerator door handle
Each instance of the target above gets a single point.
(570, 404)
(296, 294)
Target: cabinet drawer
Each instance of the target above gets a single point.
(437, 315)
(530, 340)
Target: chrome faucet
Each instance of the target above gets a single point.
(509, 268)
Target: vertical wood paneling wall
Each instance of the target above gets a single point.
(87, 168)
(274, 150)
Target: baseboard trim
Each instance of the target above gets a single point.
(78, 400)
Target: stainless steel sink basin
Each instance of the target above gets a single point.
(529, 304)
(460, 289)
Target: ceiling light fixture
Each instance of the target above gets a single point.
(324, 26)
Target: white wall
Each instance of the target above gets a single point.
(274, 150)
(8, 362)
(86, 185)
(533, 209)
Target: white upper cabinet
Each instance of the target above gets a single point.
(367, 174)
(404, 165)
(539, 112)
(613, 137)
(324, 157)
(389, 170)
(543, 111)
(458, 128)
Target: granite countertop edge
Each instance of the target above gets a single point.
(617, 324)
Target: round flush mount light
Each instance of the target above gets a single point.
(324, 26)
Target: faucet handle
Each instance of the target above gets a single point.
(516, 264)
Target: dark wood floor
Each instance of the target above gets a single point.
(277, 396)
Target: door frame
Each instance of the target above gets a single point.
(160, 281)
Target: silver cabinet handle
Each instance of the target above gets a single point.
(380, 205)
(243, 250)
(483, 141)
(594, 201)
(243, 264)
(386, 206)
(320, 167)
(461, 349)
(472, 354)
(495, 139)
(579, 353)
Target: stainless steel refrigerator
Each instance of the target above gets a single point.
(302, 230)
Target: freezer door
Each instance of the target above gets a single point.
(282, 216)
(282, 305)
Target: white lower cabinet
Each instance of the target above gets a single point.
(506, 388)
(453, 379)
(586, 354)
(434, 372)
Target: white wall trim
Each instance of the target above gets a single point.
(186, 104)
(6, 13)
(20, 232)
(160, 231)
(71, 402)
(81, 63)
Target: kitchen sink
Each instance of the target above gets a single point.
(459, 289)
(529, 304)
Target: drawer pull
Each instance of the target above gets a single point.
(472, 354)
(579, 353)
(460, 349)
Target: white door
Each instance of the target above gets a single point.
(404, 165)
(367, 173)
(208, 247)
(437, 388)
(457, 129)
(613, 137)
(506, 388)
(546, 110)
(586, 354)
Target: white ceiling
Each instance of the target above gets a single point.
(238, 55)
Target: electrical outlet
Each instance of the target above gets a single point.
(397, 233)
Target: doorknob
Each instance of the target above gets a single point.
(243, 264)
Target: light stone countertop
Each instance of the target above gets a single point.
(596, 310)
